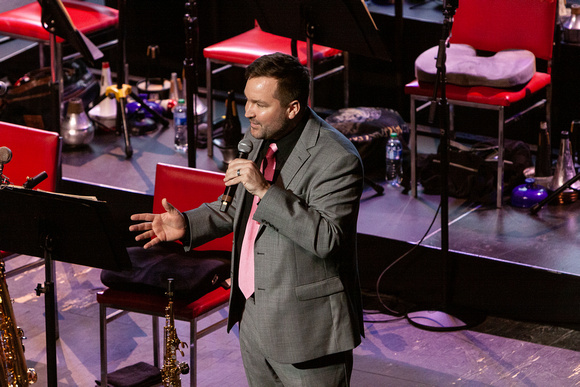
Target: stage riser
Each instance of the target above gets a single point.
(495, 287)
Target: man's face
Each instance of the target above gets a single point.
(268, 118)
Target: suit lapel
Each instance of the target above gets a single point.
(301, 152)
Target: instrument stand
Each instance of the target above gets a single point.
(538, 206)
(121, 93)
(123, 90)
(57, 22)
(443, 320)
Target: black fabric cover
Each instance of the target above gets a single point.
(473, 171)
(28, 100)
(369, 128)
(195, 273)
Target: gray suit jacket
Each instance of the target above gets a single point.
(307, 286)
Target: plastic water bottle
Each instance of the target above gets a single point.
(180, 125)
(394, 152)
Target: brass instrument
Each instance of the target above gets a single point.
(13, 370)
(171, 367)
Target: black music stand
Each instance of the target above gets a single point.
(122, 90)
(63, 228)
(56, 20)
(342, 24)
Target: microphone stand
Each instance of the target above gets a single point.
(191, 34)
(434, 319)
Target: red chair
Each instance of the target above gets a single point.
(33, 151)
(243, 49)
(495, 25)
(25, 23)
(185, 188)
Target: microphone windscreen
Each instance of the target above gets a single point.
(6, 155)
(245, 146)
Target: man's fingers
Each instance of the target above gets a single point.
(151, 243)
(145, 217)
(140, 226)
(145, 235)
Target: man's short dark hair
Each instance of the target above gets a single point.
(293, 78)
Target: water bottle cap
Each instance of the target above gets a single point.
(181, 100)
(393, 134)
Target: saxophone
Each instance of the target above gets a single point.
(171, 367)
(13, 371)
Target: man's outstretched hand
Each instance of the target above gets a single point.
(166, 227)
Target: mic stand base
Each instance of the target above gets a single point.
(441, 321)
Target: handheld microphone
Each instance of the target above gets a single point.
(32, 182)
(244, 148)
(3, 88)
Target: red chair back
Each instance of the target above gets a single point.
(188, 188)
(33, 151)
(495, 25)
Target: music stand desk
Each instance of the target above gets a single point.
(62, 227)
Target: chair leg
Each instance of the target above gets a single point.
(209, 101)
(345, 74)
(413, 148)
(549, 105)
(103, 337)
(193, 353)
(500, 145)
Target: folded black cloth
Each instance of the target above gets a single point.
(195, 273)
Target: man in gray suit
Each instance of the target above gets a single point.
(300, 315)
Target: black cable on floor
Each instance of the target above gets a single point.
(389, 310)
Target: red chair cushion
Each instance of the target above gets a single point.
(188, 188)
(33, 151)
(24, 22)
(155, 305)
(482, 94)
(243, 49)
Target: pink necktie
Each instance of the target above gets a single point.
(246, 272)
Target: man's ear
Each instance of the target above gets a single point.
(293, 109)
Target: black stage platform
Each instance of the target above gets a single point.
(504, 261)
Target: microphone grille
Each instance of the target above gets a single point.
(6, 155)
(245, 146)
